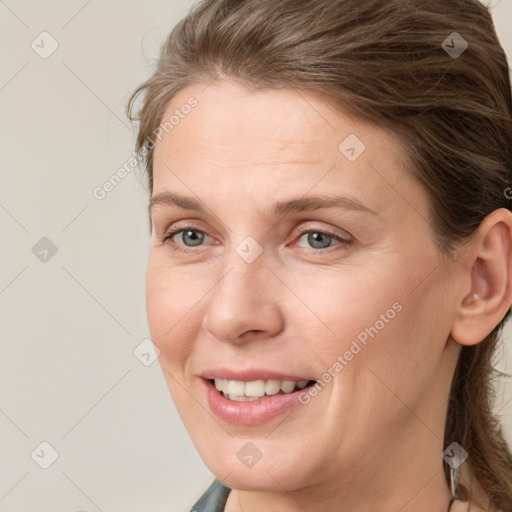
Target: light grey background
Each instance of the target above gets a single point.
(69, 325)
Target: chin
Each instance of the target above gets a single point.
(270, 474)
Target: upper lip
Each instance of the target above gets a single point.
(250, 375)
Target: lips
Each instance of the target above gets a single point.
(254, 412)
(241, 397)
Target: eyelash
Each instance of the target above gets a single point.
(179, 248)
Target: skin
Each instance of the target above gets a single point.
(374, 434)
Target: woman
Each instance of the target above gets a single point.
(330, 263)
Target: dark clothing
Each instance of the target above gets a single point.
(214, 498)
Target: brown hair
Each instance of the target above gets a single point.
(392, 62)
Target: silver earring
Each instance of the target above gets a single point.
(454, 481)
(476, 296)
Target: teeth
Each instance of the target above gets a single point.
(235, 387)
(272, 387)
(287, 386)
(255, 388)
(249, 391)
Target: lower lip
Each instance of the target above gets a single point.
(249, 413)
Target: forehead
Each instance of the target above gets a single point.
(288, 122)
(278, 141)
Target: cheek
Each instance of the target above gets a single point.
(173, 310)
(173, 322)
(371, 321)
(349, 306)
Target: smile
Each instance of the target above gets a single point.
(252, 402)
(254, 390)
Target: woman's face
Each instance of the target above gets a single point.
(311, 256)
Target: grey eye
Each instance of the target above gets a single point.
(193, 236)
(318, 240)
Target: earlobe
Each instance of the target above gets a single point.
(488, 298)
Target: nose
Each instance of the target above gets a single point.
(244, 304)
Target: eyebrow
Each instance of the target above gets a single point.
(301, 204)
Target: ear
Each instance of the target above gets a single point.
(489, 269)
